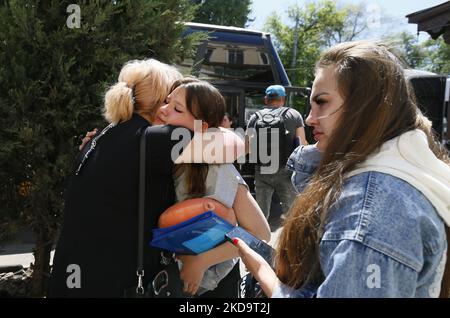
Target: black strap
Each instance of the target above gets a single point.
(278, 112)
(283, 111)
(141, 209)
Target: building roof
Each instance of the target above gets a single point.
(434, 20)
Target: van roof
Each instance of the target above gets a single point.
(224, 28)
(240, 36)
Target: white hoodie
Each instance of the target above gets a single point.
(409, 158)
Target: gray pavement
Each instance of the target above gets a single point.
(19, 250)
(24, 257)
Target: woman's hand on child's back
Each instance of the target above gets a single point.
(87, 137)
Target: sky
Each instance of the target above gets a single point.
(393, 11)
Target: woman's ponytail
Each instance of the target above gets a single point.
(142, 87)
(118, 103)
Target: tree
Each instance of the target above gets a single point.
(229, 12)
(409, 49)
(437, 58)
(349, 25)
(312, 25)
(54, 68)
(430, 55)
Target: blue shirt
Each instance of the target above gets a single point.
(382, 237)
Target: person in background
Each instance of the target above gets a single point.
(290, 123)
(227, 121)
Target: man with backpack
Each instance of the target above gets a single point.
(278, 130)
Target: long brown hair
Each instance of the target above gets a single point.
(205, 103)
(378, 105)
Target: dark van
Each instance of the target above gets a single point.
(241, 63)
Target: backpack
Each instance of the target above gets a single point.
(270, 125)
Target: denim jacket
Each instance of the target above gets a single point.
(382, 237)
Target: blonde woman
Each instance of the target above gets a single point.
(97, 250)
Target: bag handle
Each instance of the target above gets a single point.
(141, 208)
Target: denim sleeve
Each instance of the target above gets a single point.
(352, 269)
(303, 161)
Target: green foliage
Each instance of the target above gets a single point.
(220, 12)
(408, 48)
(430, 55)
(349, 23)
(316, 25)
(322, 24)
(437, 59)
(53, 78)
(313, 28)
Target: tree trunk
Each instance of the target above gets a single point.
(41, 267)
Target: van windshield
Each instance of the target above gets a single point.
(225, 61)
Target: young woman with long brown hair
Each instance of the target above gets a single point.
(375, 189)
(204, 274)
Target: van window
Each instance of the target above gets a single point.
(225, 61)
(254, 101)
(236, 57)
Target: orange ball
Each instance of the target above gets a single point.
(185, 210)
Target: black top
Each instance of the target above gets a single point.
(99, 232)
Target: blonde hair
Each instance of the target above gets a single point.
(142, 87)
